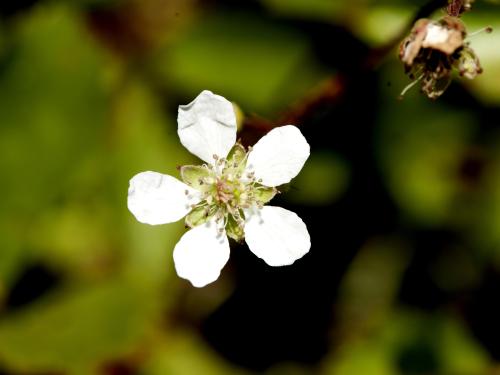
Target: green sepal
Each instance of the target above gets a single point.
(200, 215)
(236, 158)
(197, 176)
(264, 194)
(233, 230)
(240, 116)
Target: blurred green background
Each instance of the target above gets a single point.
(402, 198)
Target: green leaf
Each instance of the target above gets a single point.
(420, 181)
(264, 56)
(197, 176)
(200, 215)
(460, 352)
(79, 329)
(176, 353)
(38, 101)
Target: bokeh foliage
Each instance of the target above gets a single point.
(88, 97)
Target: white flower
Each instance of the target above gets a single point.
(226, 196)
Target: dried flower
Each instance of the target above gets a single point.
(433, 50)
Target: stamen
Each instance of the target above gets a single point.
(487, 30)
(409, 86)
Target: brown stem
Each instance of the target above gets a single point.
(455, 7)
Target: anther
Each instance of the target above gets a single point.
(487, 30)
(409, 86)
(186, 192)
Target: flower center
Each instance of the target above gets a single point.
(227, 190)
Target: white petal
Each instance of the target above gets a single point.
(436, 34)
(156, 198)
(278, 156)
(201, 254)
(276, 235)
(207, 126)
(442, 38)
